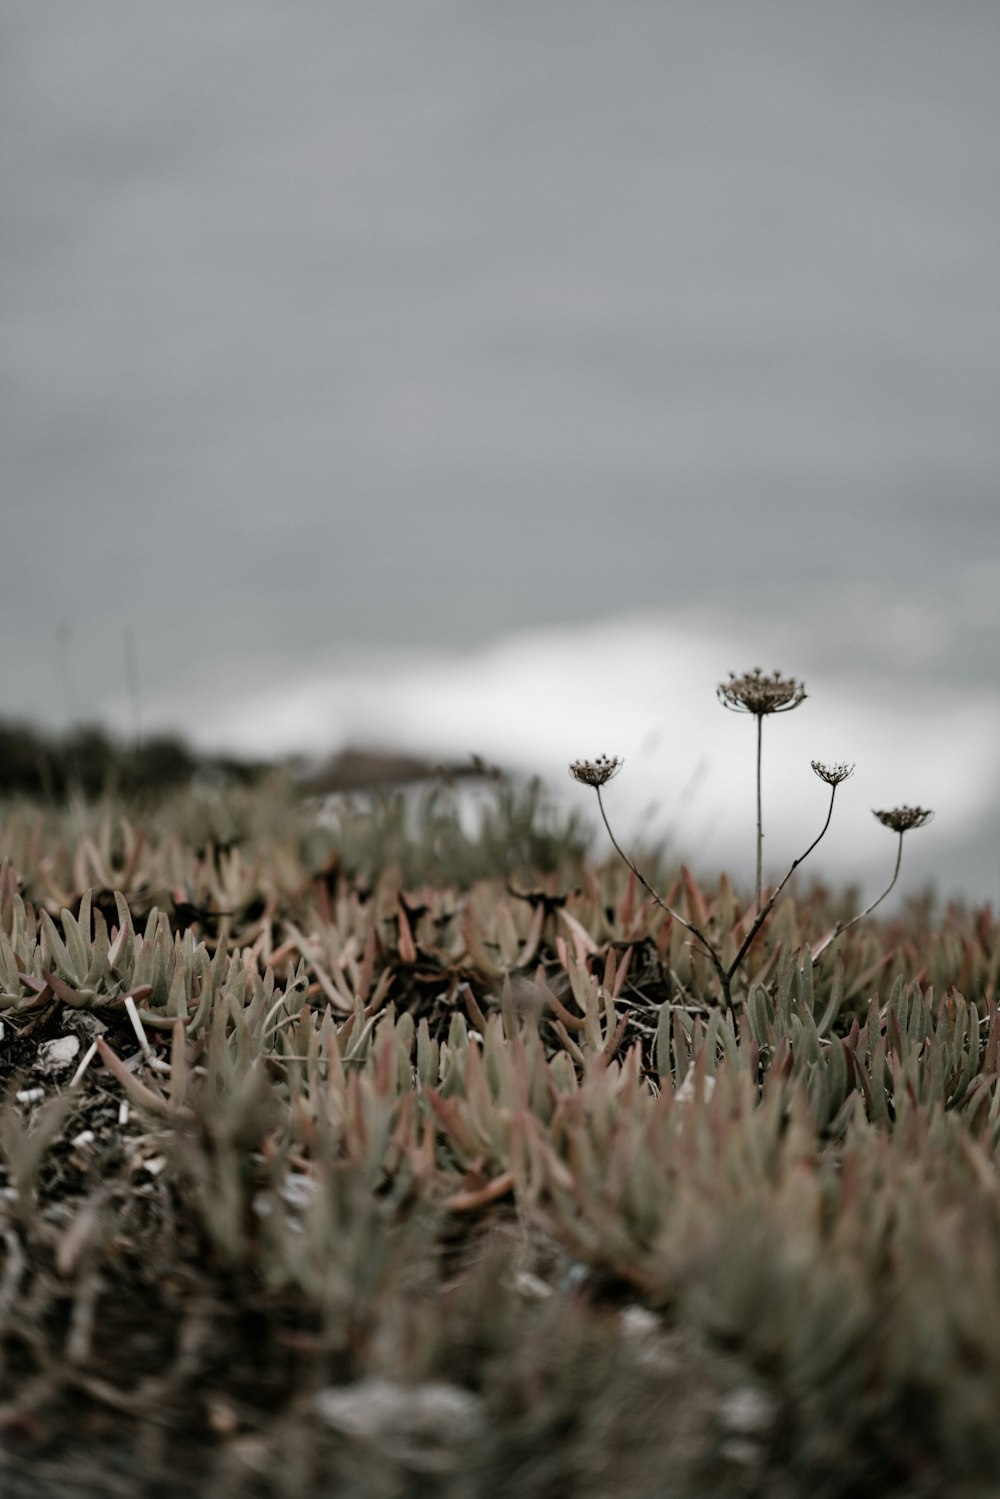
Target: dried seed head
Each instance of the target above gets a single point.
(832, 774)
(755, 693)
(596, 772)
(902, 819)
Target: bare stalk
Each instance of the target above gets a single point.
(760, 821)
(758, 694)
(844, 926)
(696, 932)
(762, 915)
(900, 820)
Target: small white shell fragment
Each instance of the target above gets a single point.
(685, 1093)
(88, 1057)
(298, 1190)
(747, 1411)
(137, 1026)
(154, 1165)
(85, 1137)
(54, 1055)
(379, 1409)
(123, 1112)
(532, 1286)
(30, 1095)
(638, 1322)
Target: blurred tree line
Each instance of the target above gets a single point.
(88, 760)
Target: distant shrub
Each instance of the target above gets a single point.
(89, 761)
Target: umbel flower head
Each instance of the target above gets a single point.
(832, 774)
(597, 772)
(758, 694)
(902, 819)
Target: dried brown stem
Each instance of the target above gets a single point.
(695, 931)
(846, 925)
(762, 915)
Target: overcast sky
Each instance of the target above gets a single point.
(474, 375)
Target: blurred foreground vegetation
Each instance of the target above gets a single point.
(348, 1149)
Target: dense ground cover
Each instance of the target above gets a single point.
(366, 1156)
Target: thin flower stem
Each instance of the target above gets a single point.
(762, 915)
(760, 823)
(675, 915)
(846, 925)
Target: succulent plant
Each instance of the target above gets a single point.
(341, 1179)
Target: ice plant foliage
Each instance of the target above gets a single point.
(349, 1168)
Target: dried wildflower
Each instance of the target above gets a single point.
(759, 695)
(832, 774)
(902, 819)
(755, 693)
(597, 772)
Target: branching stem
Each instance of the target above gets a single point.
(763, 914)
(696, 932)
(846, 925)
(726, 975)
